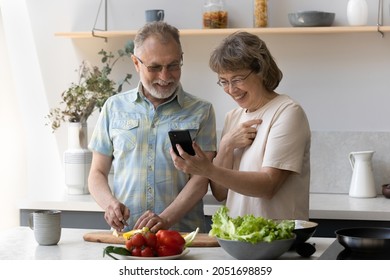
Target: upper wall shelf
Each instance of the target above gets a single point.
(226, 31)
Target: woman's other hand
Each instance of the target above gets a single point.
(242, 136)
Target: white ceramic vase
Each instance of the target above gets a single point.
(77, 159)
(357, 12)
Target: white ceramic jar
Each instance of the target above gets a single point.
(357, 12)
(77, 159)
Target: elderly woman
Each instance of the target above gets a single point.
(263, 162)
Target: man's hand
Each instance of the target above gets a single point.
(152, 221)
(116, 215)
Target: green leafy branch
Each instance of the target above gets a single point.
(91, 91)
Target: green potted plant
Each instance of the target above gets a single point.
(77, 104)
(91, 91)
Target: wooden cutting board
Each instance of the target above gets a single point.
(201, 239)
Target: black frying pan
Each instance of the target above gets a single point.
(365, 239)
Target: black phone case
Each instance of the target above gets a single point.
(183, 138)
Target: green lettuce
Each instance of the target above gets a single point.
(249, 228)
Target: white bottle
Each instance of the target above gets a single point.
(357, 12)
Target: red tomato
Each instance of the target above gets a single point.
(147, 252)
(150, 239)
(137, 240)
(128, 245)
(171, 239)
(164, 251)
(136, 252)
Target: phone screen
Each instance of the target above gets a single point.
(183, 138)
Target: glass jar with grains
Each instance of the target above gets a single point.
(260, 13)
(214, 14)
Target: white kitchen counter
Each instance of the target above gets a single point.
(19, 244)
(344, 207)
(322, 206)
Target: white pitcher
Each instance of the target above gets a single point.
(362, 183)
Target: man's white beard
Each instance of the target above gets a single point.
(156, 93)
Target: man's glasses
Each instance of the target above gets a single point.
(237, 82)
(158, 68)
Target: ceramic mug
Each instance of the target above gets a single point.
(154, 15)
(46, 225)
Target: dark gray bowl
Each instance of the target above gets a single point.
(260, 251)
(311, 19)
(304, 230)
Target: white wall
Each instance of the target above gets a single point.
(340, 79)
(12, 170)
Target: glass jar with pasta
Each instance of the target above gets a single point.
(260, 13)
(214, 14)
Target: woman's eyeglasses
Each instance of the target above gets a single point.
(158, 68)
(237, 82)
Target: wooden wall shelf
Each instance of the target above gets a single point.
(226, 31)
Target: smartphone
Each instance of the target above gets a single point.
(183, 138)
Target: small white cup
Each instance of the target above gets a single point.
(46, 225)
(154, 15)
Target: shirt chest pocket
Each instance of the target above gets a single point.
(124, 134)
(192, 127)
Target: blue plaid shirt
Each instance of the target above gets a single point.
(135, 134)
